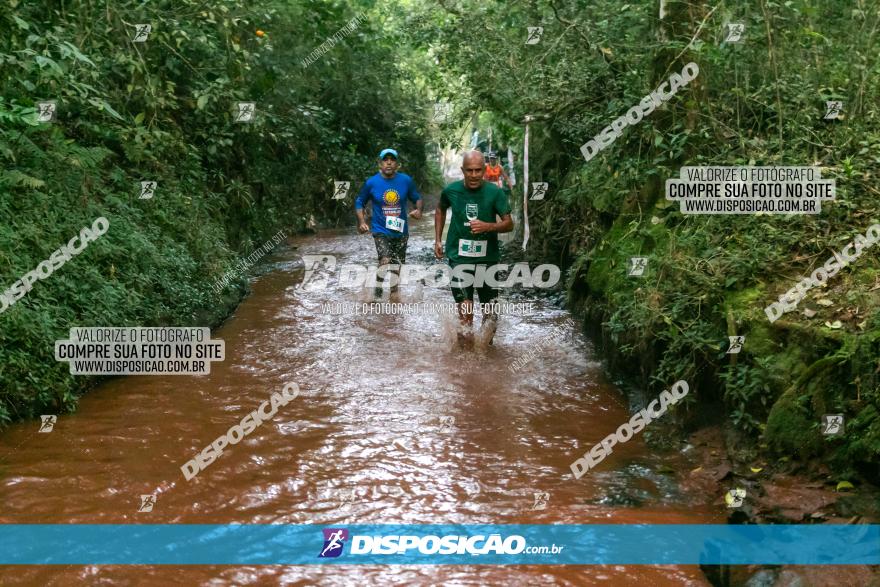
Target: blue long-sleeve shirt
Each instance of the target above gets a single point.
(389, 198)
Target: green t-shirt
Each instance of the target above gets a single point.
(463, 246)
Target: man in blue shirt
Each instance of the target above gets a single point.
(389, 192)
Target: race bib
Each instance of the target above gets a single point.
(394, 223)
(469, 248)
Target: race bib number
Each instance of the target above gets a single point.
(469, 248)
(394, 223)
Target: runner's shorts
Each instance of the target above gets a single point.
(392, 248)
(486, 294)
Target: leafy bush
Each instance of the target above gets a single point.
(162, 110)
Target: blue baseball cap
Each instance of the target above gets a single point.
(388, 152)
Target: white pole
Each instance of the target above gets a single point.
(511, 167)
(526, 186)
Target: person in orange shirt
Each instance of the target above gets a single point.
(494, 172)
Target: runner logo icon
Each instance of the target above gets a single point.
(334, 542)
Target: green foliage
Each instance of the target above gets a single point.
(749, 390)
(162, 110)
(760, 102)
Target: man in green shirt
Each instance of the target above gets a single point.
(472, 238)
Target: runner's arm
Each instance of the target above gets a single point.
(359, 203)
(479, 227)
(502, 209)
(417, 198)
(506, 178)
(439, 223)
(361, 222)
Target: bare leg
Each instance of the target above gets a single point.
(395, 278)
(488, 328)
(380, 276)
(466, 320)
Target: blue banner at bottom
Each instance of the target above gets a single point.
(492, 544)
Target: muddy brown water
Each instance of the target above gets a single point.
(393, 425)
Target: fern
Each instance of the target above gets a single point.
(15, 177)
